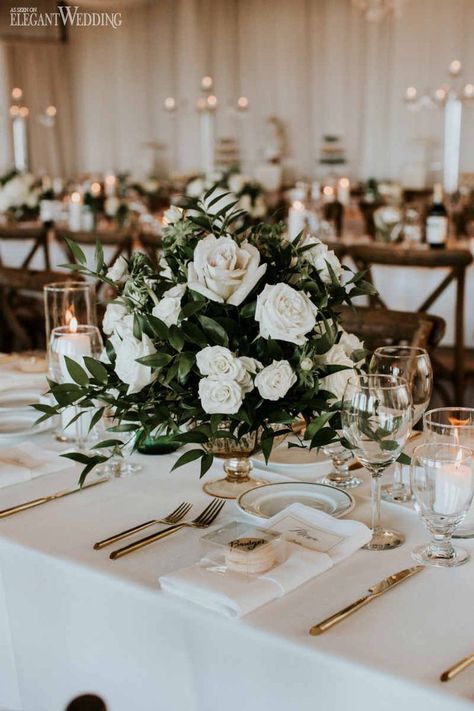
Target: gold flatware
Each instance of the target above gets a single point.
(374, 592)
(175, 516)
(45, 499)
(457, 668)
(205, 519)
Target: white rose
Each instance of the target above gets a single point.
(306, 364)
(173, 214)
(274, 381)
(350, 343)
(136, 375)
(219, 361)
(169, 306)
(336, 382)
(195, 188)
(220, 395)
(320, 256)
(223, 271)
(251, 365)
(236, 182)
(285, 314)
(114, 314)
(119, 270)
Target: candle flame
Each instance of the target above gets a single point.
(73, 325)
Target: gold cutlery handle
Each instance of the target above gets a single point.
(120, 552)
(25, 506)
(124, 534)
(457, 668)
(341, 615)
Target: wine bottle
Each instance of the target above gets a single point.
(437, 220)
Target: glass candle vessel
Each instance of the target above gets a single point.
(66, 300)
(453, 425)
(442, 479)
(414, 365)
(376, 419)
(76, 342)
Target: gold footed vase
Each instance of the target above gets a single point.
(237, 465)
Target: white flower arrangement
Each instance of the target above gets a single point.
(18, 193)
(239, 329)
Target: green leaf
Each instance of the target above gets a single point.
(76, 251)
(96, 369)
(77, 373)
(404, 459)
(137, 329)
(214, 330)
(187, 457)
(176, 338)
(96, 417)
(48, 409)
(206, 462)
(194, 334)
(158, 327)
(389, 444)
(322, 437)
(156, 360)
(99, 256)
(185, 363)
(191, 308)
(192, 437)
(108, 443)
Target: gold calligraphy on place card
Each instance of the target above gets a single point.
(299, 531)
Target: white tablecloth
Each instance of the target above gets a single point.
(72, 620)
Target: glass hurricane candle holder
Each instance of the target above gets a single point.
(66, 300)
(453, 425)
(74, 341)
(442, 479)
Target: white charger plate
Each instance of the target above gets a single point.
(19, 398)
(267, 500)
(20, 424)
(295, 462)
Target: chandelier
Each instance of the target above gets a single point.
(376, 10)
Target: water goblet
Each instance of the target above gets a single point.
(376, 419)
(453, 425)
(442, 480)
(414, 365)
(340, 476)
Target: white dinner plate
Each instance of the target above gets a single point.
(20, 424)
(267, 500)
(19, 398)
(295, 462)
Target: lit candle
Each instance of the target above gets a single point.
(110, 185)
(75, 345)
(75, 212)
(453, 489)
(296, 219)
(328, 194)
(344, 191)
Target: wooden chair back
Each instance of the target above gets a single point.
(37, 235)
(455, 260)
(22, 307)
(384, 327)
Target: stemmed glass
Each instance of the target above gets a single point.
(340, 458)
(376, 419)
(453, 425)
(442, 479)
(414, 365)
(118, 466)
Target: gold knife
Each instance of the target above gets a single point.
(374, 591)
(457, 668)
(44, 499)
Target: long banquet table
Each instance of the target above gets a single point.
(72, 620)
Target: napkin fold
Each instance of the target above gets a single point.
(316, 542)
(18, 465)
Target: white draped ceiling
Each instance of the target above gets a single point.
(317, 65)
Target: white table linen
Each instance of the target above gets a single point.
(72, 620)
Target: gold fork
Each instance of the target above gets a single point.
(173, 517)
(205, 519)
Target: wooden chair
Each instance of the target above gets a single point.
(22, 308)
(456, 261)
(384, 327)
(37, 235)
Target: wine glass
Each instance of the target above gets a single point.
(414, 365)
(442, 479)
(453, 425)
(376, 419)
(340, 458)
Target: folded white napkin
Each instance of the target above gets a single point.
(17, 464)
(317, 541)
